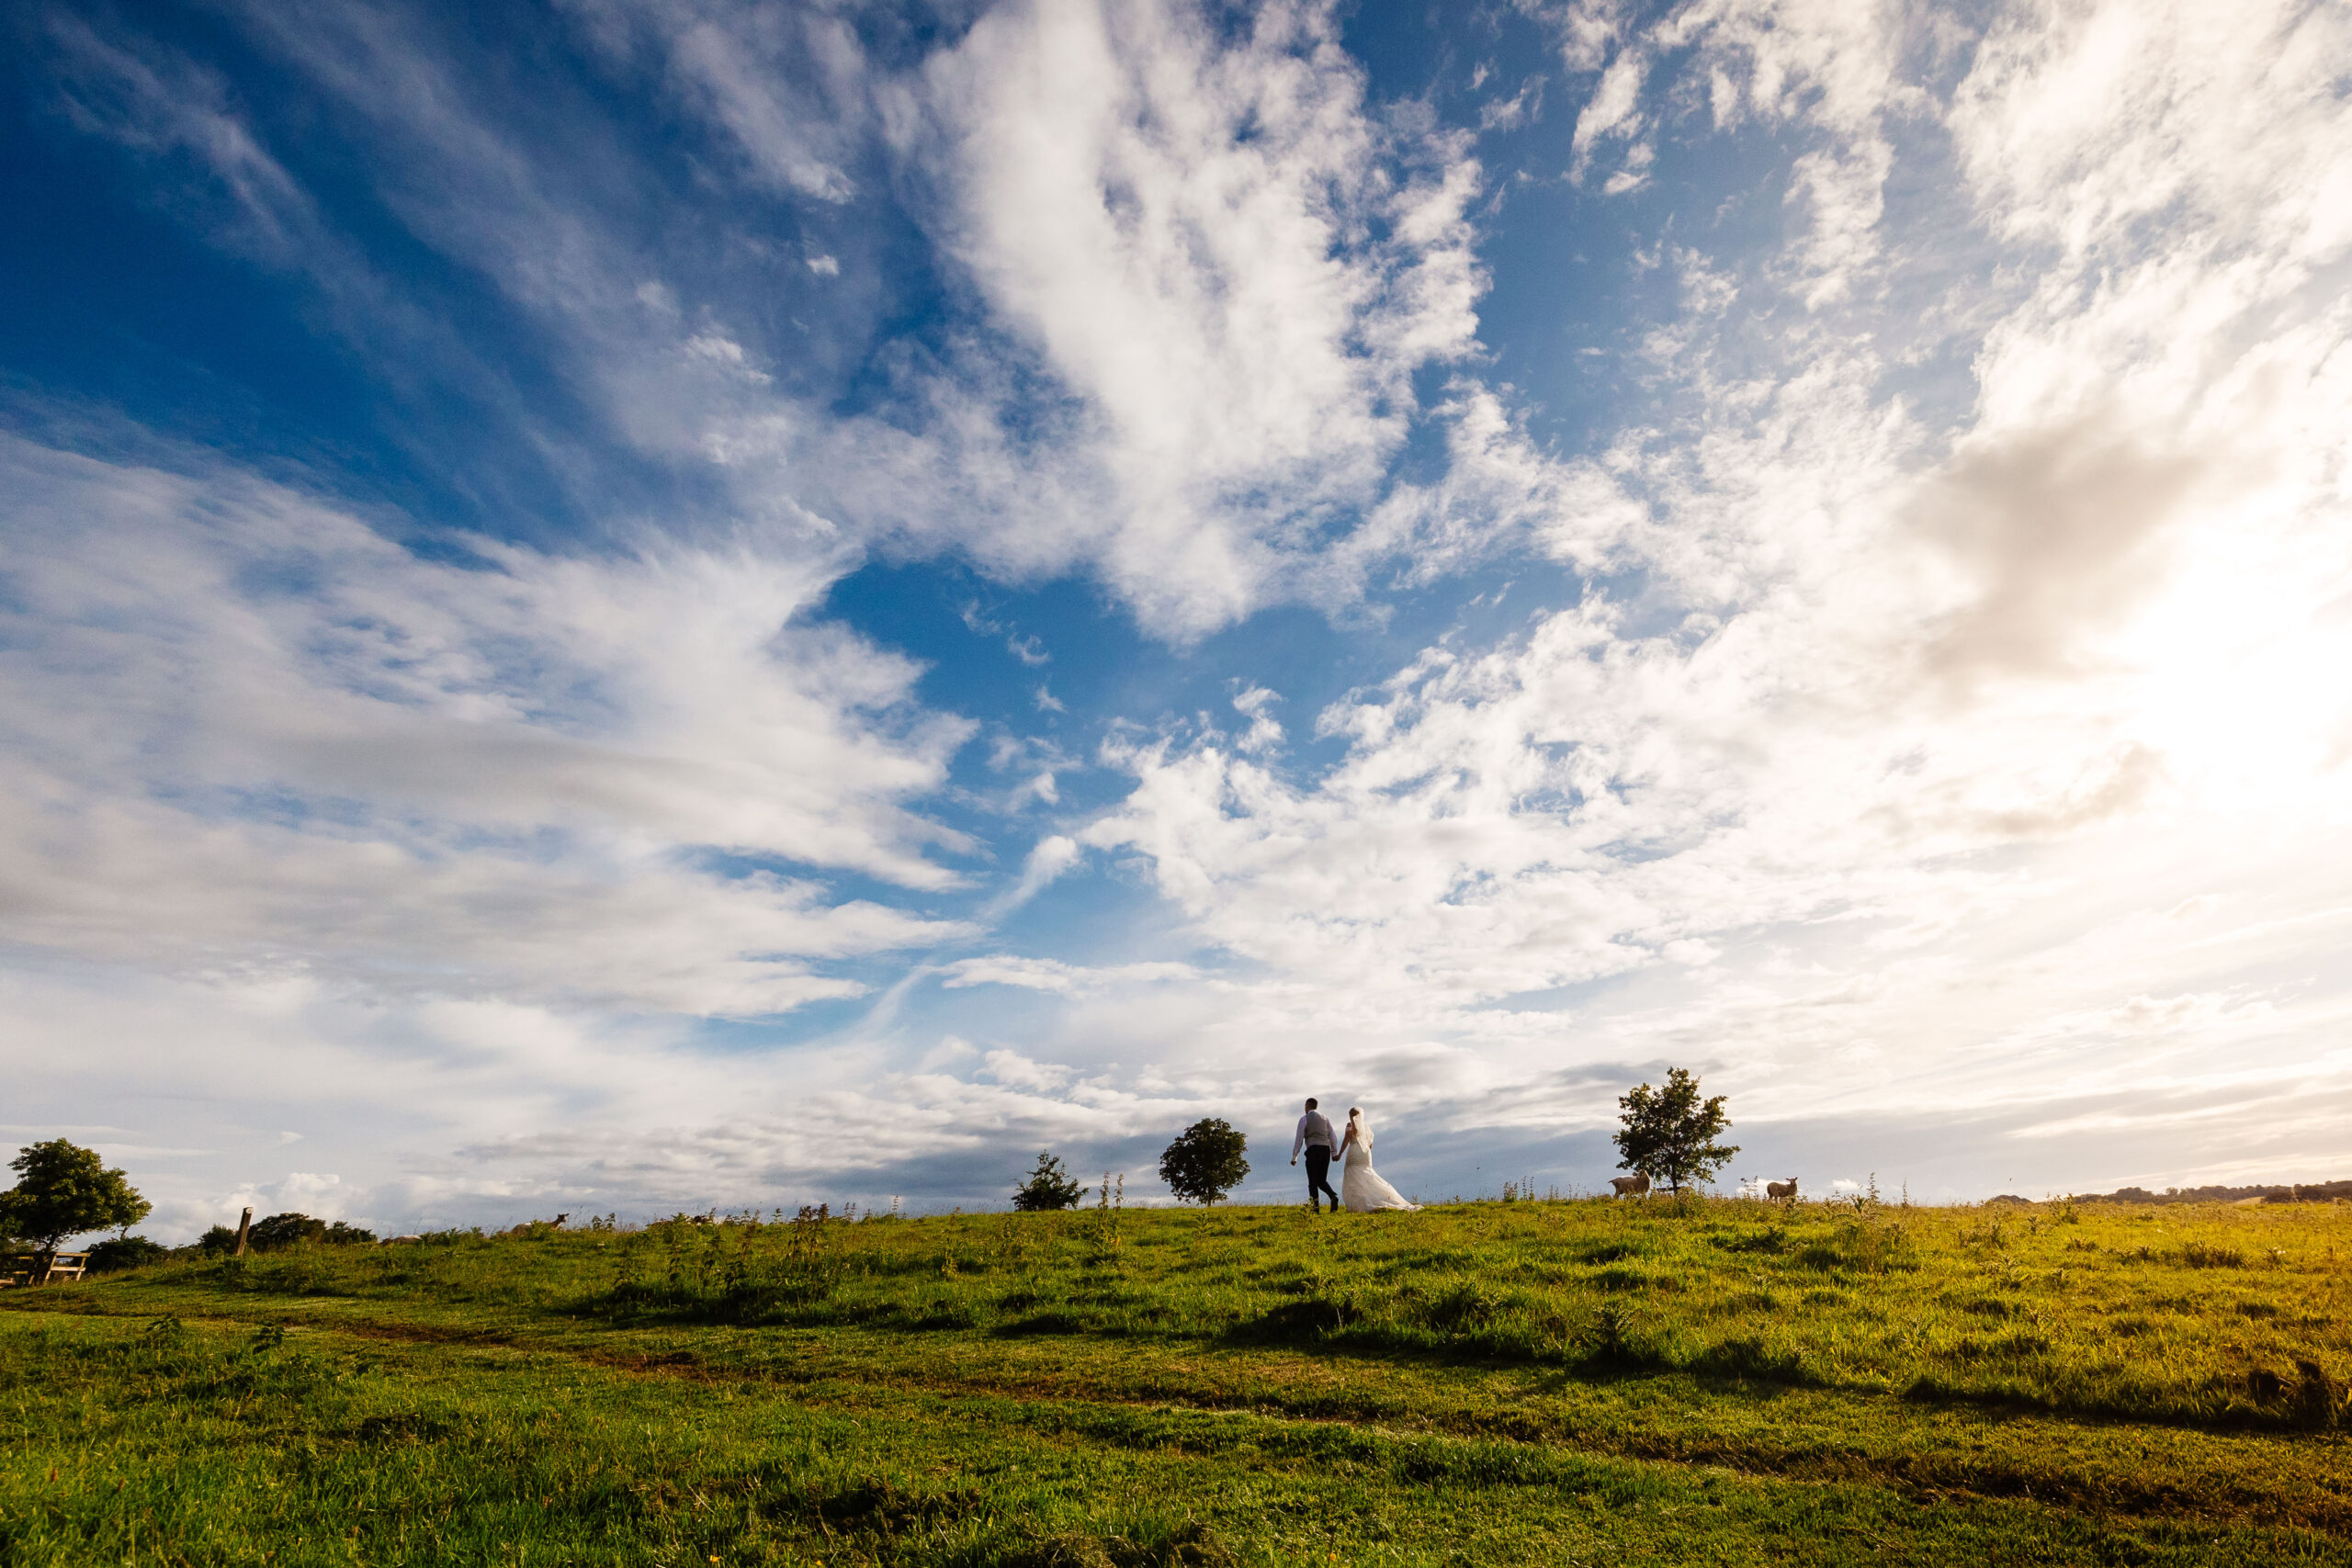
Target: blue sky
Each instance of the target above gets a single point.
(636, 604)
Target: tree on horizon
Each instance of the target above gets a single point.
(63, 1190)
(1669, 1133)
(1049, 1187)
(1204, 1162)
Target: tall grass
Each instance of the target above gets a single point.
(2223, 1316)
(1155, 1387)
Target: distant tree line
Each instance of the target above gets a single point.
(64, 1191)
(2301, 1192)
(280, 1231)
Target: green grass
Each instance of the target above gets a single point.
(1555, 1382)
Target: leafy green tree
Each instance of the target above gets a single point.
(1048, 1187)
(63, 1190)
(219, 1239)
(1204, 1162)
(1669, 1133)
(125, 1252)
(285, 1230)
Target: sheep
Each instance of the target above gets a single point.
(390, 1239)
(1781, 1189)
(1634, 1186)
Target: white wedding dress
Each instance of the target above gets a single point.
(1362, 1188)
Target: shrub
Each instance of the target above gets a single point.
(121, 1252)
(283, 1230)
(1609, 1338)
(2200, 1254)
(1049, 1187)
(738, 1272)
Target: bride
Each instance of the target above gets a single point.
(1360, 1187)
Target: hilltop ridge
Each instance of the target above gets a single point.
(2291, 1192)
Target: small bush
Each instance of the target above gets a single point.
(117, 1253)
(1049, 1187)
(2202, 1255)
(741, 1271)
(2307, 1397)
(1609, 1339)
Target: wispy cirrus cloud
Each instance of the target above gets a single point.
(300, 743)
(1758, 777)
(1891, 690)
(1206, 271)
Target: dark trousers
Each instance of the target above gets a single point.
(1318, 1176)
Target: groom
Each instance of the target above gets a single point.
(1315, 1137)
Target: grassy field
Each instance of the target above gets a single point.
(1574, 1382)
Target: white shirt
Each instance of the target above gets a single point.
(1313, 1128)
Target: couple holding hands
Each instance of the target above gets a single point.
(1360, 1187)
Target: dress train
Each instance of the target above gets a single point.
(1364, 1190)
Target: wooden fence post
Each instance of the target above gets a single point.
(242, 1227)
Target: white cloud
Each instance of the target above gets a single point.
(1509, 114)
(1943, 727)
(1014, 1070)
(1050, 858)
(1240, 351)
(725, 352)
(1893, 699)
(241, 726)
(1052, 975)
(163, 105)
(1209, 272)
(2081, 123)
(1264, 734)
(1611, 109)
(787, 84)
